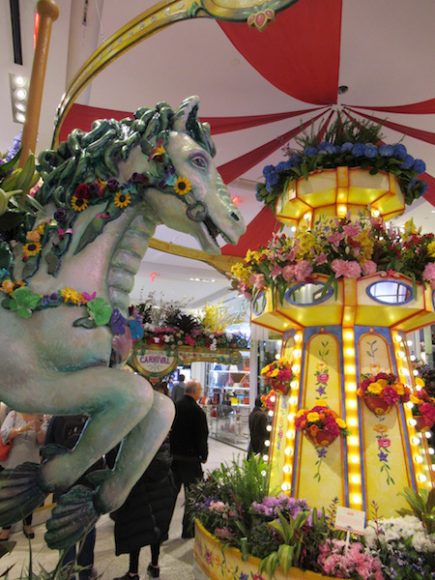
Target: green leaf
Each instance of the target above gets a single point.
(25, 176)
(85, 322)
(5, 168)
(6, 256)
(285, 556)
(24, 301)
(99, 311)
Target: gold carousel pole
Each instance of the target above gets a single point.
(49, 12)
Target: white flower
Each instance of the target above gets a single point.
(398, 530)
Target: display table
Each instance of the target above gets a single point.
(217, 562)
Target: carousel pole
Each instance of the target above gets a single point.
(49, 12)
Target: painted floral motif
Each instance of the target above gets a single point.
(384, 444)
(322, 372)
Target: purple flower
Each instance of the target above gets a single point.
(383, 456)
(16, 145)
(113, 185)
(117, 322)
(321, 390)
(139, 178)
(243, 576)
(321, 452)
(52, 299)
(60, 215)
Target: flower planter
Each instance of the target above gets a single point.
(280, 387)
(421, 424)
(218, 562)
(321, 438)
(377, 405)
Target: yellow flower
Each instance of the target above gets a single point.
(122, 200)
(431, 249)
(366, 243)
(419, 382)
(79, 203)
(41, 228)
(383, 382)
(313, 417)
(300, 413)
(7, 286)
(375, 388)
(182, 186)
(274, 373)
(340, 423)
(380, 428)
(71, 296)
(415, 400)
(33, 236)
(265, 369)
(31, 249)
(321, 403)
(399, 388)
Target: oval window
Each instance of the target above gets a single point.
(390, 292)
(308, 294)
(259, 304)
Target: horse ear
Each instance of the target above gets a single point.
(188, 107)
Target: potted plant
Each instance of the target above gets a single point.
(381, 392)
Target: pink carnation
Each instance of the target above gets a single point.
(303, 270)
(288, 273)
(429, 274)
(390, 396)
(369, 267)
(345, 268)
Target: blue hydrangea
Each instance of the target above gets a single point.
(282, 166)
(408, 162)
(386, 150)
(370, 151)
(329, 148)
(400, 151)
(310, 150)
(268, 169)
(346, 147)
(358, 149)
(272, 179)
(419, 166)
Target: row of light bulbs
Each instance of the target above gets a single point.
(19, 87)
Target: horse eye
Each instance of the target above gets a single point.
(199, 161)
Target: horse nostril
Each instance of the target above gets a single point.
(235, 216)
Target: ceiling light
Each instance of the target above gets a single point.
(20, 107)
(20, 117)
(19, 81)
(20, 94)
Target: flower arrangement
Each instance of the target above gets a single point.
(320, 425)
(382, 391)
(423, 407)
(338, 248)
(232, 505)
(278, 374)
(345, 144)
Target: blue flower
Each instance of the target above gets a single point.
(53, 299)
(310, 151)
(386, 150)
(346, 147)
(419, 166)
(282, 166)
(382, 456)
(321, 452)
(370, 151)
(358, 149)
(400, 151)
(271, 180)
(408, 162)
(268, 169)
(328, 148)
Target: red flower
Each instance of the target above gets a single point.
(82, 191)
(384, 442)
(390, 396)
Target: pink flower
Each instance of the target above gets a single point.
(321, 259)
(390, 396)
(217, 506)
(303, 269)
(189, 340)
(276, 271)
(351, 230)
(429, 273)
(345, 268)
(369, 267)
(224, 533)
(258, 281)
(288, 273)
(323, 378)
(88, 297)
(384, 442)
(335, 238)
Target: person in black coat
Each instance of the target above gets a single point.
(144, 518)
(189, 445)
(257, 428)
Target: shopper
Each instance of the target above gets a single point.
(144, 518)
(26, 434)
(189, 446)
(65, 431)
(257, 428)
(178, 389)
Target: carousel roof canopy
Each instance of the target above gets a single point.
(259, 90)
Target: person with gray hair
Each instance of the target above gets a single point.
(189, 445)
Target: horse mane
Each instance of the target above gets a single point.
(87, 156)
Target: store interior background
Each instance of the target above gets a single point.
(196, 57)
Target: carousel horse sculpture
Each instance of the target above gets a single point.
(67, 294)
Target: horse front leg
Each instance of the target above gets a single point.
(136, 452)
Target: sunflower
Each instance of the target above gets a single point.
(182, 186)
(122, 200)
(7, 286)
(71, 296)
(79, 203)
(31, 249)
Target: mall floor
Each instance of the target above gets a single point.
(176, 560)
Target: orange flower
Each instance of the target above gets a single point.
(380, 428)
(7, 286)
(313, 430)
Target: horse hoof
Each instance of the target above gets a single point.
(72, 518)
(21, 491)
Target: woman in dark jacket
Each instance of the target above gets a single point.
(144, 518)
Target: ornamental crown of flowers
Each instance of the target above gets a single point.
(278, 374)
(349, 144)
(320, 418)
(386, 386)
(337, 248)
